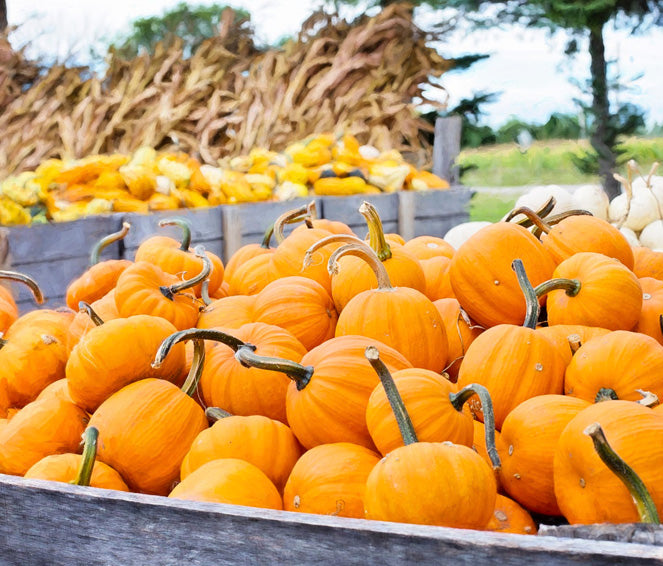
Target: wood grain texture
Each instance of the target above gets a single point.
(58, 524)
(446, 147)
(639, 533)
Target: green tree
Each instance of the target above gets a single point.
(192, 24)
(584, 20)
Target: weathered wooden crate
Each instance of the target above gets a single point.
(432, 213)
(59, 524)
(346, 209)
(54, 254)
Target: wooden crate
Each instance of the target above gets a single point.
(432, 213)
(54, 254)
(59, 524)
(346, 209)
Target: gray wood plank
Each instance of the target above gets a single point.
(446, 147)
(213, 245)
(639, 533)
(436, 204)
(58, 524)
(346, 209)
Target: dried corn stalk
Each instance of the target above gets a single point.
(358, 77)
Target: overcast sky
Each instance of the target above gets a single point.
(527, 66)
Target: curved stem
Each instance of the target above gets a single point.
(395, 400)
(3, 341)
(557, 218)
(169, 292)
(196, 370)
(90, 437)
(531, 299)
(106, 241)
(204, 293)
(186, 230)
(287, 218)
(214, 414)
(267, 237)
(542, 212)
(300, 374)
(636, 487)
(461, 397)
(606, 394)
(363, 251)
(334, 238)
(312, 210)
(194, 334)
(533, 218)
(26, 280)
(571, 286)
(649, 399)
(376, 238)
(574, 342)
(87, 308)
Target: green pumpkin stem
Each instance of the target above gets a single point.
(289, 217)
(333, 239)
(570, 286)
(87, 308)
(204, 293)
(376, 238)
(106, 241)
(395, 400)
(90, 437)
(169, 292)
(300, 374)
(184, 225)
(267, 237)
(461, 397)
(531, 300)
(214, 414)
(192, 334)
(26, 280)
(197, 364)
(641, 496)
(533, 218)
(606, 394)
(363, 251)
(544, 211)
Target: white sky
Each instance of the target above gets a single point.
(528, 66)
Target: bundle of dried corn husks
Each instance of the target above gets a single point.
(227, 98)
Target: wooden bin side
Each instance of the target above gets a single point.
(58, 524)
(346, 209)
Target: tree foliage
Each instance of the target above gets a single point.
(193, 24)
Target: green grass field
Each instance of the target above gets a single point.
(544, 163)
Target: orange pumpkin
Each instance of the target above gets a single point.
(400, 317)
(229, 312)
(8, 308)
(263, 442)
(649, 322)
(229, 480)
(427, 247)
(509, 517)
(246, 253)
(59, 389)
(436, 272)
(330, 479)
(89, 316)
(561, 334)
(252, 276)
(647, 263)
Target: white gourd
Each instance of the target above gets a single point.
(631, 236)
(644, 209)
(652, 235)
(592, 198)
(536, 197)
(457, 235)
(655, 186)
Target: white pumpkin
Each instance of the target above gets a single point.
(655, 187)
(457, 235)
(536, 197)
(631, 236)
(592, 198)
(644, 209)
(652, 235)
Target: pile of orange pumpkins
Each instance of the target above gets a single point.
(510, 381)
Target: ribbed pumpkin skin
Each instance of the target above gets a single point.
(426, 398)
(8, 309)
(586, 490)
(41, 428)
(332, 407)
(165, 253)
(459, 334)
(241, 256)
(53, 322)
(426, 247)
(252, 276)
(117, 353)
(436, 272)
(145, 430)
(527, 447)
(432, 483)
(587, 234)
(330, 479)
(33, 357)
(623, 361)
(605, 282)
(652, 308)
(229, 312)
(245, 391)
(64, 468)
(515, 364)
(229, 481)
(647, 263)
(266, 443)
(288, 259)
(301, 306)
(402, 318)
(137, 292)
(355, 275)
(482, 278)
(95, 282)
(58, 389)
(509, 517)
(559, 336)
(82, 323)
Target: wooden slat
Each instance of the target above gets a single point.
(58, 524)
(446, 147)
(346, 209)
(639, 533)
